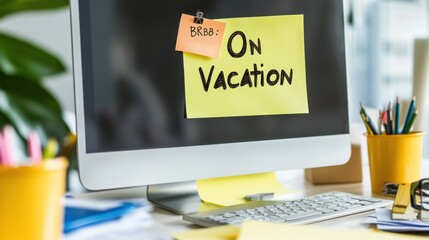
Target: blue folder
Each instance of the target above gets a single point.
(80, 217)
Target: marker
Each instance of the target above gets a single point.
(34, 148)
(409, 114)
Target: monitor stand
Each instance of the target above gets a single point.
(180, 198)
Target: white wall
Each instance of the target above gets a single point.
(51, 30)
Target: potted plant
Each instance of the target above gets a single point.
(25, 103)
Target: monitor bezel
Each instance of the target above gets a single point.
(109, 170)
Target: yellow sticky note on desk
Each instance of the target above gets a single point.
(260, 70)
(228, 232)
(228, 191)
(252, 230)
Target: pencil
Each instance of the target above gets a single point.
(384, 121)
(368, 119)
(365, 122)
(397, 115)
(410, 124)
(380, 121)
(409, 114)
(389, 119)
(371, 126)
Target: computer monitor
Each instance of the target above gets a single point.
(130, 96)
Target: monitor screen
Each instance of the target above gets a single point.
(133, 79)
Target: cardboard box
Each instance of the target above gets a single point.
(350, 172)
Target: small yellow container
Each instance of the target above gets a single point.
(31, 201)
(394, 158)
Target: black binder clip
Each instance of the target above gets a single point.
(198, 19)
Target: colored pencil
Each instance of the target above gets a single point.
(410, 124)
(397, 116)
(368, 119)
(409, 114)
(380, 122)
(384, 121)
(365, 122)
(389, 119)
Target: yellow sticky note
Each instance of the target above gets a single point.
(252, 230)
(260, 71)
(228, 191)
(228, 232)
(203, 39)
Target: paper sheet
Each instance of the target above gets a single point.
(260, 70)
(230, 191)
(385, 222)
(215, 233)
(251, 230)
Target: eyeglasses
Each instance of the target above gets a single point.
(419, 191)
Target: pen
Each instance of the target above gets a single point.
(410, 124)
(397, 115)
(409, 114)
(34, 148)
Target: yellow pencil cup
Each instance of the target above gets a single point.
(31, 201)
(394, 158)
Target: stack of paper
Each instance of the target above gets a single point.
(385, 222)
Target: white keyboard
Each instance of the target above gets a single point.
(300, 211)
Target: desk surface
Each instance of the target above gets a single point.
(166, 222)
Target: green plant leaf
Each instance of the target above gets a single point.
(13, 6)
(5, 120)
(30, 91)
(30, 107)
(20, 58)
